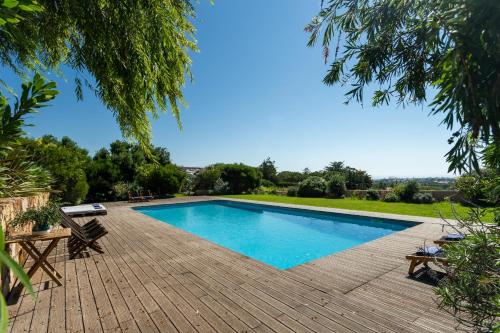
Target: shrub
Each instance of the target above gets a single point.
(358, 194)
(313, 187)
(266, 190)
(121, 190)
(266, 183)
(482, 190)
(160, 179)
(472, 286)
(372, 194)
(391, 197)
(336, 187)
(187, 186)
(66, 162)
(290, 178)
(423, 198)
(206, 178)
(76, 188)
(407, 190)
(101, 174)
(220, 187)
(240, 177)
(292, 191)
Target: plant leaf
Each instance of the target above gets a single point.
(17, 269)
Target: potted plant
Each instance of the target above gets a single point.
(43, 218)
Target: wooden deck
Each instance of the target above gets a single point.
(156, 278)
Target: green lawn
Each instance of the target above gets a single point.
(431, 210)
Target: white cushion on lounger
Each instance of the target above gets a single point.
(84, 209)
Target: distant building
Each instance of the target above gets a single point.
(191, 170)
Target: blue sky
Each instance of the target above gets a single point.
(258, 92)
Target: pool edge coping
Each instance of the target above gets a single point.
(419, 220)
(359, 213)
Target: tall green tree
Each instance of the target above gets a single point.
(268, 170)
(66, 162)
(354, 179)
(405, 49)
(136, 52)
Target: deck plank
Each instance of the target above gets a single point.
(156, 278)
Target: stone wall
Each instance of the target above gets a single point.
(9, 209)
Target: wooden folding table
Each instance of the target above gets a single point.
(27, 242)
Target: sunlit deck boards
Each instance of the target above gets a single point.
(156, 278)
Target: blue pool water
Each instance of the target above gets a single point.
(280, 237)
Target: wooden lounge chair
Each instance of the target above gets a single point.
(134, 198)
(422, 257)
(83, 236)
(138, 197)
(449, 239)
(147, 197)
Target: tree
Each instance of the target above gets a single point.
(268, 170)
(102, 174)
(288, 178)
(354, 179)
(205, 179)
(357, 179)
(128, 157)
(66, 162)
(335, 167)
(312, 186)
(405, 47)
(240, 177)
(335, 186)
(160, 179)
(136, 52)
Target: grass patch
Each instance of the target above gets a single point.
(428, 210)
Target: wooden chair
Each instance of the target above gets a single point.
(136, 198)
(83, 236)
(147, 197)
(417, 259)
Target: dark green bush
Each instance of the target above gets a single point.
(372, 194)
(220, 187)
(423, 198)
(292, 191)
(335, 186)
(313, 187)
(66, 162)
(205, 179)
(472, 286)
(266, 183)
(102, 174)
(358, 194)
(240, 177)
(407, 190)
(290, 178)
(470, 188)
(391, 197)
(160, 179)
(479, 189)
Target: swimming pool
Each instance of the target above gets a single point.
(280, 237)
